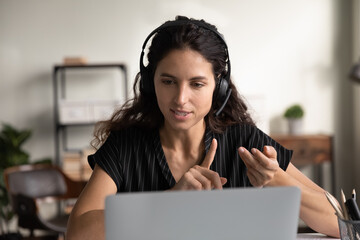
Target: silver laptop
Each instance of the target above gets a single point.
(242, 213)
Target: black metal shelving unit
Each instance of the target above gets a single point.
(59, 84)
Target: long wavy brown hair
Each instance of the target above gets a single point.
(142, 110)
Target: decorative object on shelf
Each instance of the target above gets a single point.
(11, 154)
(294, 115)
(75, 61)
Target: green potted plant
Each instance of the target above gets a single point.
(11, 154)
(294, 114)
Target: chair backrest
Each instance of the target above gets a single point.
(27, 184)
(35, 181)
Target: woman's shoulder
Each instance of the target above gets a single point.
(132, 133)
(236, 132)
(242, 128)
(243, 131)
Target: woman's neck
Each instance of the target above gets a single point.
(189, 143)
(183, 149)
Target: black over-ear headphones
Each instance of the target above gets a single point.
(222, 91)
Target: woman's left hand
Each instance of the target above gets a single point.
(261, 166)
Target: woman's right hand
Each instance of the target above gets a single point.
(200, 177)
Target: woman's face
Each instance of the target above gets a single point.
(184, 85)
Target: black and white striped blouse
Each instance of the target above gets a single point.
(135, 160)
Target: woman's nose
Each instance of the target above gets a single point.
(182, 94)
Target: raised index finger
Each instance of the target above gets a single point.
(209, 158)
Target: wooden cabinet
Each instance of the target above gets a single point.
(310, 150)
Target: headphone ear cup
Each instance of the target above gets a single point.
(222, 95)
(146, 85)
(223, 86)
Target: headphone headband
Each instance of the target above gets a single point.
(183, 22)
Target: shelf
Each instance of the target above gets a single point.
(59, 81)
(99, 65)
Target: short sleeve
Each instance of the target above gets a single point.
(107, 157)
(259, 139)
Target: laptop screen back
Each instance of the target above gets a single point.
(242, 213)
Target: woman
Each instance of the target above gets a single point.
(187, 128)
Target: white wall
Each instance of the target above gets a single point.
(282, 51)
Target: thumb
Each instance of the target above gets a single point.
(270, 152)
(209, 158)
(223, 180)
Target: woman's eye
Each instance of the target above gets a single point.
(198, 85)
(167, 81)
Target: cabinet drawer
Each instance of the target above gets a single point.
(308, 149)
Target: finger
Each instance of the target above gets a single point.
(247, 157)
(223, 180)
(270, 152)
(252, 178)
(257, 159)
(254, 164)
(209, 158)
(205, 182)
(265, 161)
(255, 171)
(256, 178)
(191, 182)
(213, 177)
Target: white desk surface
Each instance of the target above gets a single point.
(313, 236)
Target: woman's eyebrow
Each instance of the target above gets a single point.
(193, 78)
(167, 75)
(199, 78)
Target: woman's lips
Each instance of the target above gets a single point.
(180, 114)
